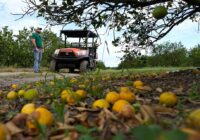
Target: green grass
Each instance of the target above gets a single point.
(148, 69)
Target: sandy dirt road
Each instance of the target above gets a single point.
(8, 78)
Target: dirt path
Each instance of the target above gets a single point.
(8, 78)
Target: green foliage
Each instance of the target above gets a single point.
(119, 136)
(164, 55)
(168, 54)
(59, 109)
(86, 133)
(194, 56)
(154, 132)
(101, 65)
(17, 50)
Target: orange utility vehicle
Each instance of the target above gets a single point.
(81, 54)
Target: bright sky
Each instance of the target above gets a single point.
(186, 32)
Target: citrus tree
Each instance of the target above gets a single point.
(139, 22)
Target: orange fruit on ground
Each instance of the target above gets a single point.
(118, 105)
(21, 92)
(124, 89)
(112, 97)
(168, 99)
(45, 117)
(28, 108)
(194, 118)
(127, 111)
(2, 132)
(81, 93)
(31, 94)
(138, 83)
(12, 95)
(64, 94)
(128, 96)
(101, 103)
(14, 86)
(73, 80)
(72, 98)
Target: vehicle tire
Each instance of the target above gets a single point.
(53, 66)
(84, 66)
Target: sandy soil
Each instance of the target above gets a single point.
(8, 78)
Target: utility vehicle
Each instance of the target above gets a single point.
(81, 54)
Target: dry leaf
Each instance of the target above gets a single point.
(165, 110)
(72, 136)
(12, 128)
(147, 113)
(194, 102)
(145, 88)
(193, 134)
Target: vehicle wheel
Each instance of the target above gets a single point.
(71, 70)
(53, 66)
(84, 66)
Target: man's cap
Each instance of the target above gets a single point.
(38, 28)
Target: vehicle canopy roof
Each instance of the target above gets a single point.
(78, 33)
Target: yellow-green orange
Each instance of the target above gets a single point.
(194, 118)
(12, 95)
(21, 92)
(159, 12)
(64, 94)
(112, 97)
(30, 94)
(81, 93)
(168, 99)
(28, 108)
(101, 103)
(14, 86)
(124, 89)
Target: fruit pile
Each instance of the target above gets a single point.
(105, 104)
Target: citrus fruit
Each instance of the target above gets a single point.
(45, 117)
(30, 94)
(112, 97)
(194, 118)
(168, 98)
(72, 98)
(128, 96)
(159, 12)
(12, 95)
(14, 86)
(2, 132)
(64, 94)
(101, 103)
(124, 89)
(118, 105)
(127, 111)
(138, 83)
(21, 92)
(73, 80)
(81, 93)
(28, 108)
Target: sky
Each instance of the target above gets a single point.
(185, 32)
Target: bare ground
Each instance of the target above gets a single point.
(8, 78)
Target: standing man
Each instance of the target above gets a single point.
(38, 49)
